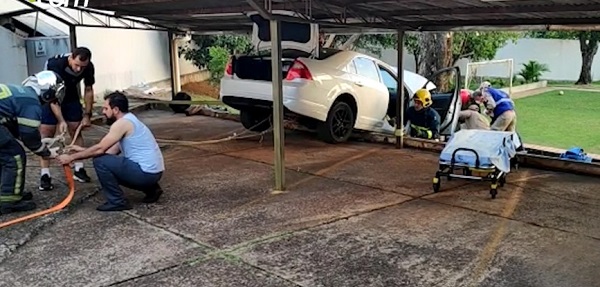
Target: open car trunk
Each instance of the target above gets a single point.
(297, 40)
(258, 67)
(294, 36)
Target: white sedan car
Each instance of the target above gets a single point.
(335, 92)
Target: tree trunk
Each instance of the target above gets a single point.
(589, 47)
(426, 41)
(435, 53)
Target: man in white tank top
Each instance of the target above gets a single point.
(128, 155)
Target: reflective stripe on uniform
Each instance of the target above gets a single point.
(19, 179)
(505, 100)
(10, 198)
(28, 122)
(4, 92)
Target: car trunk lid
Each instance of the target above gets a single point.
(297, 36)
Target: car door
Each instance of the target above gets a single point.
(389, 79)
(372, 94)
(446, 97)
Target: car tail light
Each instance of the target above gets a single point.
(298, 71)
(229, 67)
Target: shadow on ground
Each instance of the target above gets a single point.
(353, 215)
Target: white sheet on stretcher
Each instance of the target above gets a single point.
(493, 147)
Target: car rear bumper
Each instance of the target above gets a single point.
(249, 94)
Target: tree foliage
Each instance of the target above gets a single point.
(198, 51)
(475, 46)
(478, 46)
(371, 43)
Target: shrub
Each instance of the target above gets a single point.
(216, 64)
(532, 71)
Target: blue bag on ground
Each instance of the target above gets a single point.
(577, 154)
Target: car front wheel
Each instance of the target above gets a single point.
(339, 124)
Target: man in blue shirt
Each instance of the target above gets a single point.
(20, 115)
(500, 106)
(141, 165)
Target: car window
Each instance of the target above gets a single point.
(388, 80)
(351, 68)
(366, 68)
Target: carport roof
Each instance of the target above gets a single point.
(411, 15)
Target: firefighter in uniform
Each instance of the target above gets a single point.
(20, 115)
(423, 120)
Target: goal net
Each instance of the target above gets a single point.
(498, 72)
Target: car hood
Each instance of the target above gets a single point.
(413, 81)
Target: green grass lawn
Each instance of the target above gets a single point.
(550, 119)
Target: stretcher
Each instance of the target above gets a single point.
(488, 153)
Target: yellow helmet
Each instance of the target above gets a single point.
(424, 96)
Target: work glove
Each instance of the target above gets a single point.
(423, 134)
(54, 152)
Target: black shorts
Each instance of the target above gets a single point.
(71, 112)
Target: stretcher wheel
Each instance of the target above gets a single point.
(436, 184)
(493, 193)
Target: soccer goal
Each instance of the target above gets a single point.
(498, 72)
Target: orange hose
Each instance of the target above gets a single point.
(63, 204)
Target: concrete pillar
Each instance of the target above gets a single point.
(278, 131)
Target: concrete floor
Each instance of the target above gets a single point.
(355, 214)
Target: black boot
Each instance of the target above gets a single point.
(153, 195)
(27, 196)
(109, 207)
(16, 206)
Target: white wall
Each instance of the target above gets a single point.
(130, 57)
(563, 58)
(122, 57)
(13, 66)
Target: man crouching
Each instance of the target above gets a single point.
(422, 119)
(140, 166)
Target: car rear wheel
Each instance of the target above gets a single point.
(256, 121)
(339, 124)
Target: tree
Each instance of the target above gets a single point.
(437, 50)
(588, 43)
(475, 46)
(372, 43)
(199, 49)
